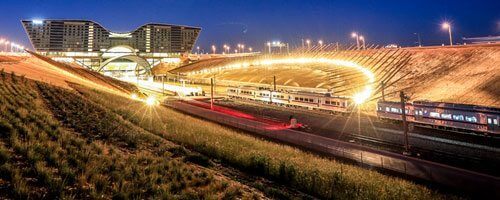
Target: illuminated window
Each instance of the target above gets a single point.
(495, 121)
(458, 117)
(470, 119)
(387, 109)
(394, 110)
(490, 121)
(434, 114)
(446, 116)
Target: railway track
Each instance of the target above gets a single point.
(417, 151)
(429, 146)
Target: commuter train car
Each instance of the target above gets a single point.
(448, 116)
(307, 100)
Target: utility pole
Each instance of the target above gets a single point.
(405, 123)
(274, 82)
(211, 93)
(163, 85)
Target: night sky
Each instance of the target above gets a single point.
(254, 22)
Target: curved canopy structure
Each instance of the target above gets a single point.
(141, 62)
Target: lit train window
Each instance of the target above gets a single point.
(387, 109)
(394, 110)
(490, 121)
(434, 114)
(495, 121)
(458, 117)
(446, 116)
(470, 119)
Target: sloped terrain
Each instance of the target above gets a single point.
(466, 74)
(43, 69)
(54, 144)
(460, 74)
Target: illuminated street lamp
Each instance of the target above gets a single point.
(355, 35)
(1, 42)
(198, 49)
(447, 25)
(320, 42)
(308, 42)
(6, 44)
(242, 48)
(12, 46)
(213, 49)
(250, 49)
(362, 40)
(269, 46)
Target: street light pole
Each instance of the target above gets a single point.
(362, 38)
(355, 35)
(447, 25)
(449, 32)
(419, 41)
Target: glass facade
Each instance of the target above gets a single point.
(52, 36)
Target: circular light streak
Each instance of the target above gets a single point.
(358, 98)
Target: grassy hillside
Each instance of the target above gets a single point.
(324, 178)
(56, 144)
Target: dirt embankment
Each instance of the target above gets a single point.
(44, 69)
(466, 74)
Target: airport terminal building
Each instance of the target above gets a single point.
(93, 46)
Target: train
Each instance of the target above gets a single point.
(444, 116)
(435, 115)
(300, 99)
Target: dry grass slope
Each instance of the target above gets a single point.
(56, 144)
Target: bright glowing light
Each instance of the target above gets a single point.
(308, 41)
(445, 25)
(361, 38)
(320, 42)
(37, 21)
(134, 96)
(151, 101)
(354, 34)
(358, 98)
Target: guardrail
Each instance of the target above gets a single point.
(453, 177)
